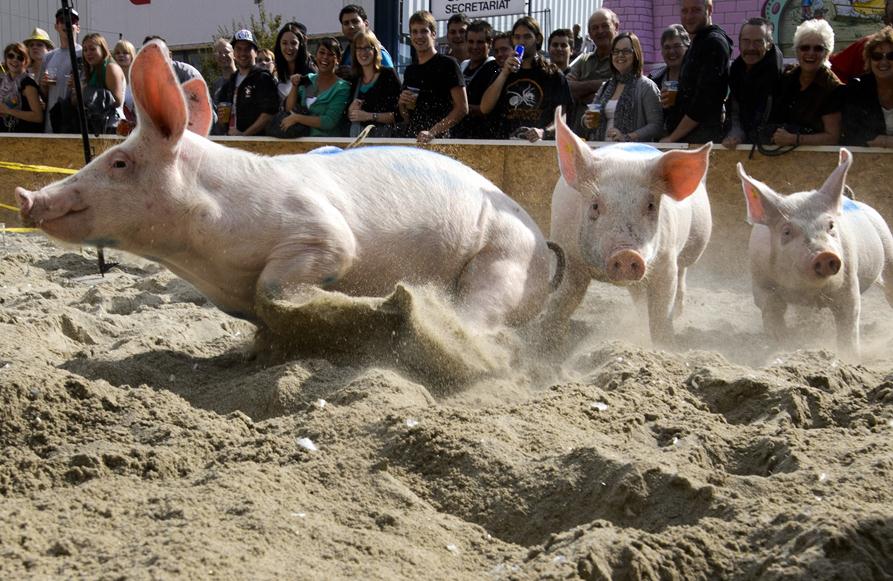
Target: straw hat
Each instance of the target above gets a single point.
(41, 35)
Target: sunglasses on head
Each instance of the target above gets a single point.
(813, 48)
(878, 56)
(16, 57)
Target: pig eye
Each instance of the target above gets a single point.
(831, 226)
(786, 231)
(120, 164)
(593, 211)
(650, 206)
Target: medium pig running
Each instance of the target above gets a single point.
(628, 215)
(816, 248)
(243, 227)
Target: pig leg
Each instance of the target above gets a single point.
(846, 318)
(503, 284)
(772, 309)
(661, 297)
(565, 300)
(680, 293)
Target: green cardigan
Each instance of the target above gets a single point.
(329, 106)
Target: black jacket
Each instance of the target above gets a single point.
(752, 92)
(704, 79)
(257, 94)
(863, 119)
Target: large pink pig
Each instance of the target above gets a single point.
(241, 226)
(816, 248)
(632, 216)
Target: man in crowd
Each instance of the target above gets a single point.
(479, 71)
(560, 49)
(353, 19)
(704, 80)
(433, 99)
(251, 90)
(524, 94)
(578, 42)
(457, 29)
(591, 69)
(54, 73)
(849, 62)
(753, 79)
(502, 47)
(226, 64)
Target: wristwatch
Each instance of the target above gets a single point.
(375, 117)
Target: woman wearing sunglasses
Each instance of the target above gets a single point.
(808, 111)
(868, 113)
(21, 109)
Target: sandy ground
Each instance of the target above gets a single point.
(141, 440)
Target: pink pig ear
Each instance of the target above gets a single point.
(159, 100)
(832, 190)
(196, 92)
(574, 156)
(760, 203)
(683, 171)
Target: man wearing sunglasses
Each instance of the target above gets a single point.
(54, 72)
(704, 80)
(848, 63)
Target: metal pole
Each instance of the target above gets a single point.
(82, 113)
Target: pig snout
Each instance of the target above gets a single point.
(626, 265)
(37, 208)
(826, 264)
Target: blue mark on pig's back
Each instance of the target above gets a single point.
(852, 206)
(639, 150)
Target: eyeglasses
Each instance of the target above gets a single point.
(622, 51)
(814, 48)
(878, 56)
(365, 49)
(15, 57)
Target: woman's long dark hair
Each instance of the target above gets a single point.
(302, 62)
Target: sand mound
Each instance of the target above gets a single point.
(141, 439)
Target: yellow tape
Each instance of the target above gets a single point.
(10, 208)
(20, 230)
(36, 168)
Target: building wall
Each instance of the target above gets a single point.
(180, 22)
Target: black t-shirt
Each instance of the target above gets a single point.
(529, 98)
(10, 124)
(476, 83)
(434, 79)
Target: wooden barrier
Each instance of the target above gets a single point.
(528, 172)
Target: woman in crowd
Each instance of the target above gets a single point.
(38, 44)
(103, 73)
(124, 53)
(810, 101)
(868, 109)
(375, 89)
(630, 103)
(290, 57)
(324, 95)
(20, 106)
(266, 60)
(674, 43)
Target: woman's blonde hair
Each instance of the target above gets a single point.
(369, 37)
(125, 46)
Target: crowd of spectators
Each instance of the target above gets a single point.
(493, 85)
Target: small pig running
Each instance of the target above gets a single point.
(244, 228)
(816, 248)
(631, 216)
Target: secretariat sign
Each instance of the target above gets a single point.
(443, 9)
